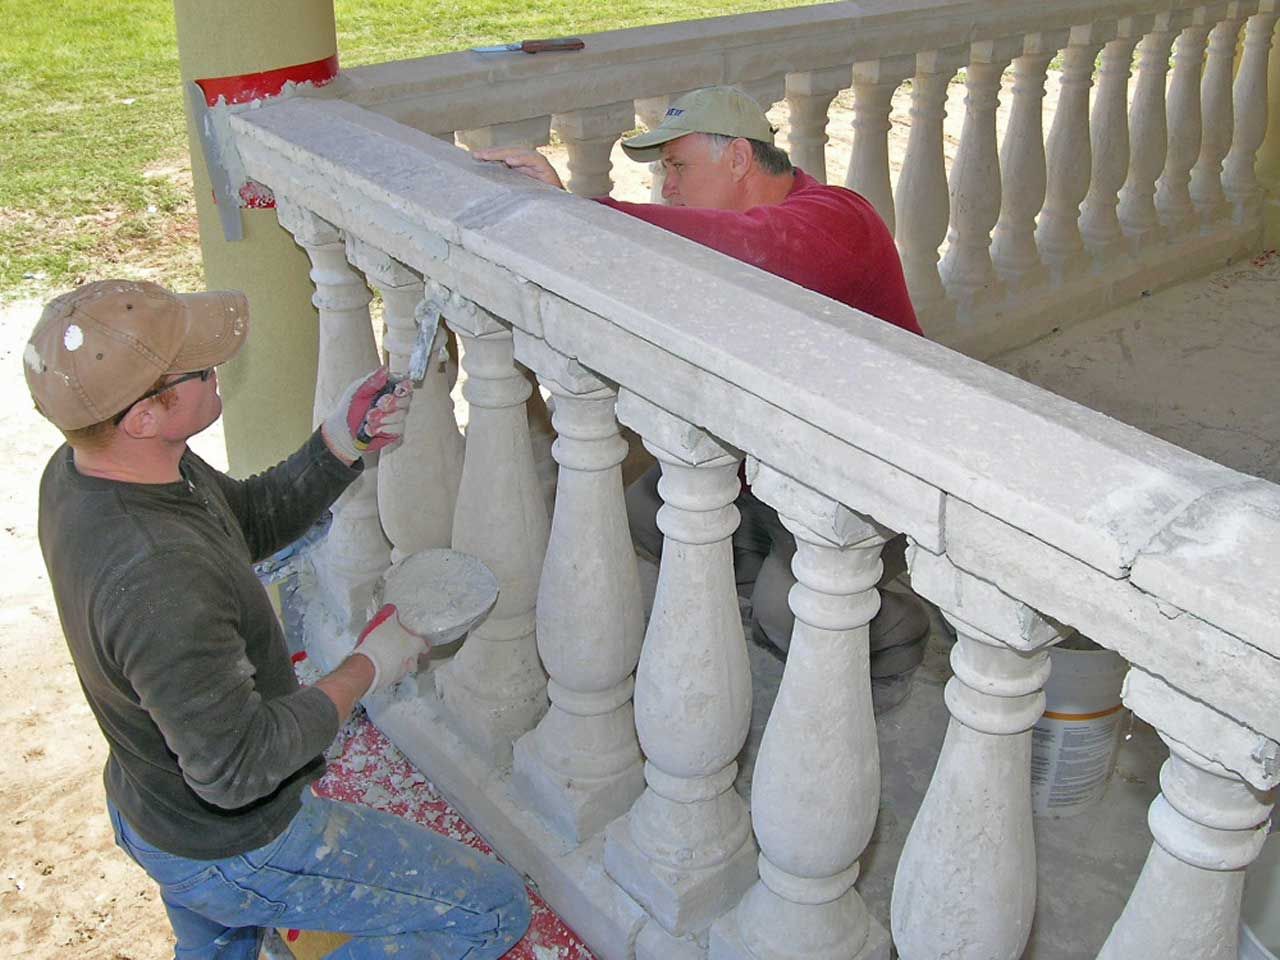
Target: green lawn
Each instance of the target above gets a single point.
(93, 159)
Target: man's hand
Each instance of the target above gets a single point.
(369, 416)
(392, 649)
(524, 160)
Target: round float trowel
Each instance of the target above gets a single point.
(439, 594)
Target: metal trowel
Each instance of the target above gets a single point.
(428, 316)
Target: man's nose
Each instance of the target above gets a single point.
(668, 185)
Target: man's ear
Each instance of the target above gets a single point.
(741, 158)
(140, 422)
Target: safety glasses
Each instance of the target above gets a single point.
(201, 375)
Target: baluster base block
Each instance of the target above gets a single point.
(827, 921)
(489, 727)
(682, 901)
(654, 943)
(575, 807)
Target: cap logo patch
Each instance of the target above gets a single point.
(675, 112)
(73, 338)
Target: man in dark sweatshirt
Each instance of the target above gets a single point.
(213, 743)
(726, 186)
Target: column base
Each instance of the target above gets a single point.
(813, 932)
(682, 901)
(489, 727)
(575, 807)
(654, 943)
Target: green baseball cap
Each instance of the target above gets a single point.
(726, 111)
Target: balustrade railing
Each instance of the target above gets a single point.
(610, 776)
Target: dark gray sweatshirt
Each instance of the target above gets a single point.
(177, 648)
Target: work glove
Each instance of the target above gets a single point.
(392, 649)
(369, 416)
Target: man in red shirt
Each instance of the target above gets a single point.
(728, 187)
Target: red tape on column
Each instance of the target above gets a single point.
(267, 83)
(247, 87)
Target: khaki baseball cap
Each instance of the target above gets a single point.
(98, 348)
(722, 110)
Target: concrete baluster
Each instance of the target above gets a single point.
(1148, 138)
(581, 767)
(685, 851)
(1217, 123)
(589, 136)
(354, 552)
(873, 88)
(418, 477)
(1068, 159)
(494, 689)
(1109, 141)
(1022, 171)
(966, 882)
(1173, 196)
(921, 204)
(1249, 96)
(815, 791)
(809, 97)
(1209, 822)
(974, 188)
(533, 132)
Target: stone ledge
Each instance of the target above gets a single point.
(1192, 655)
(875, 417)
(1219, 559)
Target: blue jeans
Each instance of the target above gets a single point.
(399, 889)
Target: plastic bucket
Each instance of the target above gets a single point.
(1073, 746)
(1260, 912)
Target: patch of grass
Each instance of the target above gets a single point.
(94, 172)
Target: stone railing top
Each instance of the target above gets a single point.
(466, 90)
(780, 371)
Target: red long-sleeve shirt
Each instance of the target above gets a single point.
(827, 239)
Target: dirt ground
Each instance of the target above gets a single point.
(65, 889)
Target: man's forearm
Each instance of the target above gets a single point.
(347, 684)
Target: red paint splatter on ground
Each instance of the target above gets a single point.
(370, 770)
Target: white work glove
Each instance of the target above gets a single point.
(369, 415)
(392, 649)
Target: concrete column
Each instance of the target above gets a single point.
(494, 690)
(974, 188)
(581, 767)
(809, 97)
(1268, 163)
(1208, 824)
(1069, 157)
(873, 89)
(1109, 146)
(921, 203)
(1148, 138)
(966, 882)
(1023, 176)
(276, 370)
(1216, 123)
(816, 788)
(1249, 98)
(684, 852)
(1173, 193)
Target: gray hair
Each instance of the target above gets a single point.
(772, 160)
